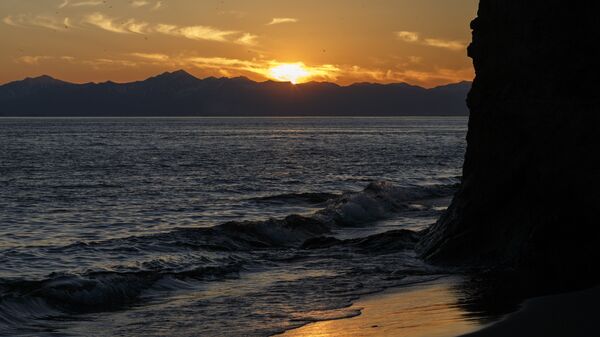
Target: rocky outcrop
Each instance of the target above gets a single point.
(531, 184)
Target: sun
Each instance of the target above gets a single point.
(289, 72)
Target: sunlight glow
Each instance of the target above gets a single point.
(290, 72)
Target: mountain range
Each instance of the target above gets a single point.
(181, 94)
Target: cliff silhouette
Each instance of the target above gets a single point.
(181, 94)
(530, 192)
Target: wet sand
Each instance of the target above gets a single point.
(566, 315)
(428, 310)
(432, 310)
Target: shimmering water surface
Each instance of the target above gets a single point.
(128, 227)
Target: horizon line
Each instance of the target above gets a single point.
(230, 78)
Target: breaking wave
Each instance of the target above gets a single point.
(247, 244)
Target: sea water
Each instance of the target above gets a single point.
(213, 226)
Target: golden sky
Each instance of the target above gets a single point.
(344, 41)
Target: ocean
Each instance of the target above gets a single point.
(213, 226)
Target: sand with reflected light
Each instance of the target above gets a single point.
(429, 310)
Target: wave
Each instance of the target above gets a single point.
(378, 201)
(101, 291)
(294, 198)
(22, 300)
(396, 240)
(98, 291)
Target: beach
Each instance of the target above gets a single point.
(426, 310)
(565, 315)
(430, 310)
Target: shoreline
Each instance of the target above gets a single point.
(429, 309)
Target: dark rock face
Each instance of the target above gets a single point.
(531, 187)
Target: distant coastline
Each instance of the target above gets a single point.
(179, 94)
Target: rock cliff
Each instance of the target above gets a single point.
(531, 180)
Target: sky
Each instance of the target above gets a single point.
(421, 42)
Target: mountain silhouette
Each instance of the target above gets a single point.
(181, 94)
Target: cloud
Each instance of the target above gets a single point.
(260, 68)
(151, 57)
(224, 63)
(427, 78)
(277, 21)
(236, 14)
(133, 26)
(413, 37)
(36, 60)
(415, 59)
(326, 72)
(94, 3)
(32, 60)
(157, 6)
(201, 33)
(139, 3)
(112, 25)
(229, 66)
(408, 36)
(38, 21)
(247, 40)
(205, 33)
(88, 3)
(96, 63)
(102, 63)
(145, 3)
(452, 45)
(9, 21)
